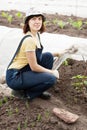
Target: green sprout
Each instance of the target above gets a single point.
(80, 82)
(19, 127)
(39, 117)
(1, 103)
(4, 14)
(25, 123)
(19, 15)
(77, 24)
(9, 111)
(7, 16)
(61, 24)
(16, 110)
(55, 21)
(65, 62)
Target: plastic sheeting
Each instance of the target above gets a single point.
(10, 38)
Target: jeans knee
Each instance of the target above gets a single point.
(52, 80)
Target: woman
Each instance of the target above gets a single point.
(31, 70)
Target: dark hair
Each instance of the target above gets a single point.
(26, 27)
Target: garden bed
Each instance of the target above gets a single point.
(17, 114)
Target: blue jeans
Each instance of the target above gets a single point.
(33, 83)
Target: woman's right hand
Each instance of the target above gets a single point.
(55, 73)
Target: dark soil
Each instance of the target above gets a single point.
(17, 114)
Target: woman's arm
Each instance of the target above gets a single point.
(31, 57)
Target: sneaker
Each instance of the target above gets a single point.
(45, 96)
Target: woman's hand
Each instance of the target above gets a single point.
(56, 73)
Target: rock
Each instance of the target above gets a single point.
(66, 116)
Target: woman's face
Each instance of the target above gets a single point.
(35, 23)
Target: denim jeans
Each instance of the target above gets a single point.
(33, 83)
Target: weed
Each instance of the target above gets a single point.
(25, 123)
(1, 103)
(39, 117)
(47, 114)
(9, 111)
(19, 127)
(5, 100)
(16, 109)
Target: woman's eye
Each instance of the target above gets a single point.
(37, 18)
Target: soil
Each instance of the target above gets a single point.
(17, 114)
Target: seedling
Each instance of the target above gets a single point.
(77, 24)
(7, 16)
(70, 21)
(4, 14)
(1, 103)
(55, 21)
(19, 15)
(80, 82)
(47, 114)
(65, 62)
(9, 111)
(16, 110)
(5, 99)
(19, 127)
(39, 117)
(33, 124)
(61, 24)
(25, 123)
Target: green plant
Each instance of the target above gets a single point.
(47, 114)
(77, 24)
(7, 16)
(5, 100)
(19, 127)
(80, 82)
(25, 123)
(65, 62)
(55, 21)
(39, 117)
(33, 124)
(19, 14)
(9, 111)
(61, 24)
(70, 21)
(1, 103)
(4, 14)
(16, 109)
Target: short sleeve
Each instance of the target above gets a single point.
(29, 44)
